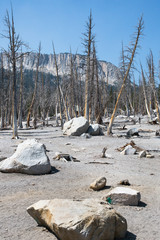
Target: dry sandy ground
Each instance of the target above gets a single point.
(72, 180)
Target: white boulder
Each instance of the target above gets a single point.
(30, 158)
(124, 196)
(89, 219)
(76, 126)
(129, 150)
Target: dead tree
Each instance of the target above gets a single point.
(35, 87)
(20, 94)
(13, 54)
(88, 42)
(151, 69)
(2, 92)
(145, 94)
(132, 52)
(58, 86)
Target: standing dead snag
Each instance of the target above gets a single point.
(13, 55)
(58, 86)
(132, 51)
(21, 95)
(2, 92)
(145, 94)
(35, 87)
(88, 42)
(151, 69)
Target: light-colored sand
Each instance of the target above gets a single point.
(72, 180)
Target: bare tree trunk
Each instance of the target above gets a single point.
(21, 96)
(152, 82)
(140, 27)
(35, 88)
(145, 95)
(2, 92)
(87, 80)
(58, 87)
(65, 105)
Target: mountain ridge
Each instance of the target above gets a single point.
(107, 71)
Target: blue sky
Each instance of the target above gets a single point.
(63, 21)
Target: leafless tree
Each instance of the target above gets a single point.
(132, 51)
(2, 92)
(58, 86)
(15, 43)
(88, 40)
(35, 88)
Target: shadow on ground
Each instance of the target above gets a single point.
(130, 236)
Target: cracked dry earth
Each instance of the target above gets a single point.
(72, 179)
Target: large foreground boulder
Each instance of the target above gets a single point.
(124, 196)
(30, 158)
(76, 126)
(89, 219)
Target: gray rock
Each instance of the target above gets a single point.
(129, 150)
(142, 154)
(30, 158)
(76, 126)
(133, 132)
(89, 219)
(124, 196)
(86, 135)
(98, 184)
(95, 130)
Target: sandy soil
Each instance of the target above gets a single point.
(72, 180)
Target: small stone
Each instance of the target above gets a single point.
(125, 182)
(98, 184)
(142, 154)
(129, 150)
(149, 156)
(86, 135)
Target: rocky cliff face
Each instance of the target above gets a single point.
(107, 71)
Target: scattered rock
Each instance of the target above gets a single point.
(98, 184)
(154, 121)
(149, 156)
(125, 182)
(132, 143)
(30, 158)
(76, 126)
(129, 150)
(65, 157)
(104, 152)
(157, 133)
(124, 196)
(142, 154)
(78, 220)
(85, 135)
(95, 130)
(133, 132)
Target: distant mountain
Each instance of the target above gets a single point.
(107, 71)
